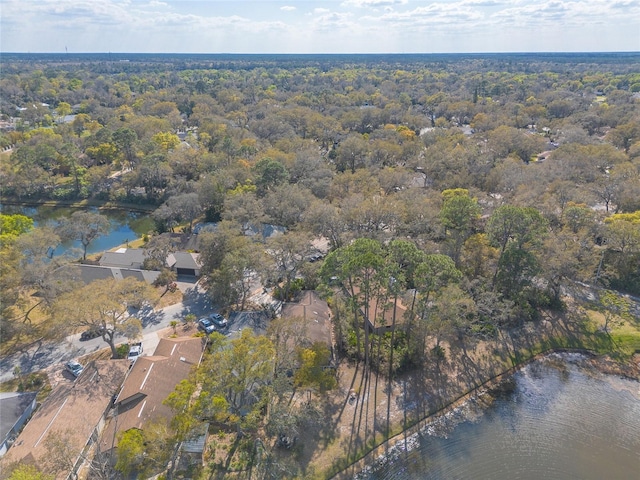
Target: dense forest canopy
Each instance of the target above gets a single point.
(343, 146)
(459, 196)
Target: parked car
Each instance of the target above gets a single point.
(218, 320)
(74, 368)
(91, 333)
(135, 350)
(206, 325)
(315, 257)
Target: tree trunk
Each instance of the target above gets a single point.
(393, 334)
(109, 338)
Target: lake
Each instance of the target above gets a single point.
(561, 420)
(125, 226)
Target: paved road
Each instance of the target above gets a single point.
(43, 356)
(52, 356)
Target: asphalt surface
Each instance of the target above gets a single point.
(43, 356)
(53, 355)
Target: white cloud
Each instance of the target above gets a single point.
(583, 13)
(363, 25)
(486, 3)
(452, 14)
(372, 3)
(136, 15)
(333, 21)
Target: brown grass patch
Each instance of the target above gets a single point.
(466, 367)
(169, 298)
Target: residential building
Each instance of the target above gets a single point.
(72, 417)
(132, 259)
(380, 315)
(149, 383)
(124, 258)
(15, 410)
(88, 273)
(185, 263)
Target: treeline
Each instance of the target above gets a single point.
(458, 197)
(344, 150)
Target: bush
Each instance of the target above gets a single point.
(64, 193)
(33, 381)
(122, 350)
(438, 352)
(294, 288)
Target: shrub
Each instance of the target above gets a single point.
(122, 350)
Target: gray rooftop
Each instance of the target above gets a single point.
(89, 273)
(126, 258)
(196, 440)
(184, 260)
(12, 406)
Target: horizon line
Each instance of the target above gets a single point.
(564, 52)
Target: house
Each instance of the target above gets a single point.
(266, 230)
(73, 415)
(15, 409)
(205, 227)
(316, 313)
(383, 316)
(65, 119)
(185, 263)
(89, 273)
(149, 383)
(124, 258)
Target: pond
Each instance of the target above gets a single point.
(125, 226)
(560, 420)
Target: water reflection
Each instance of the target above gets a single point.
(125, 226)
(562, 420)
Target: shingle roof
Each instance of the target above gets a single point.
(72, 410)
(148, 276)
(184, 260)
(196, 440)
(89, 273)
(150, 382)
(381, 313)
(126, 258)
(268, 230)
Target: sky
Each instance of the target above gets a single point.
(311, 26)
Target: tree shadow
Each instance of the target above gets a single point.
(39, 359)
(148, 316)
(196, 299)
(473, 370)
(223, 469)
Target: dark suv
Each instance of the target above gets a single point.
(89, 334)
